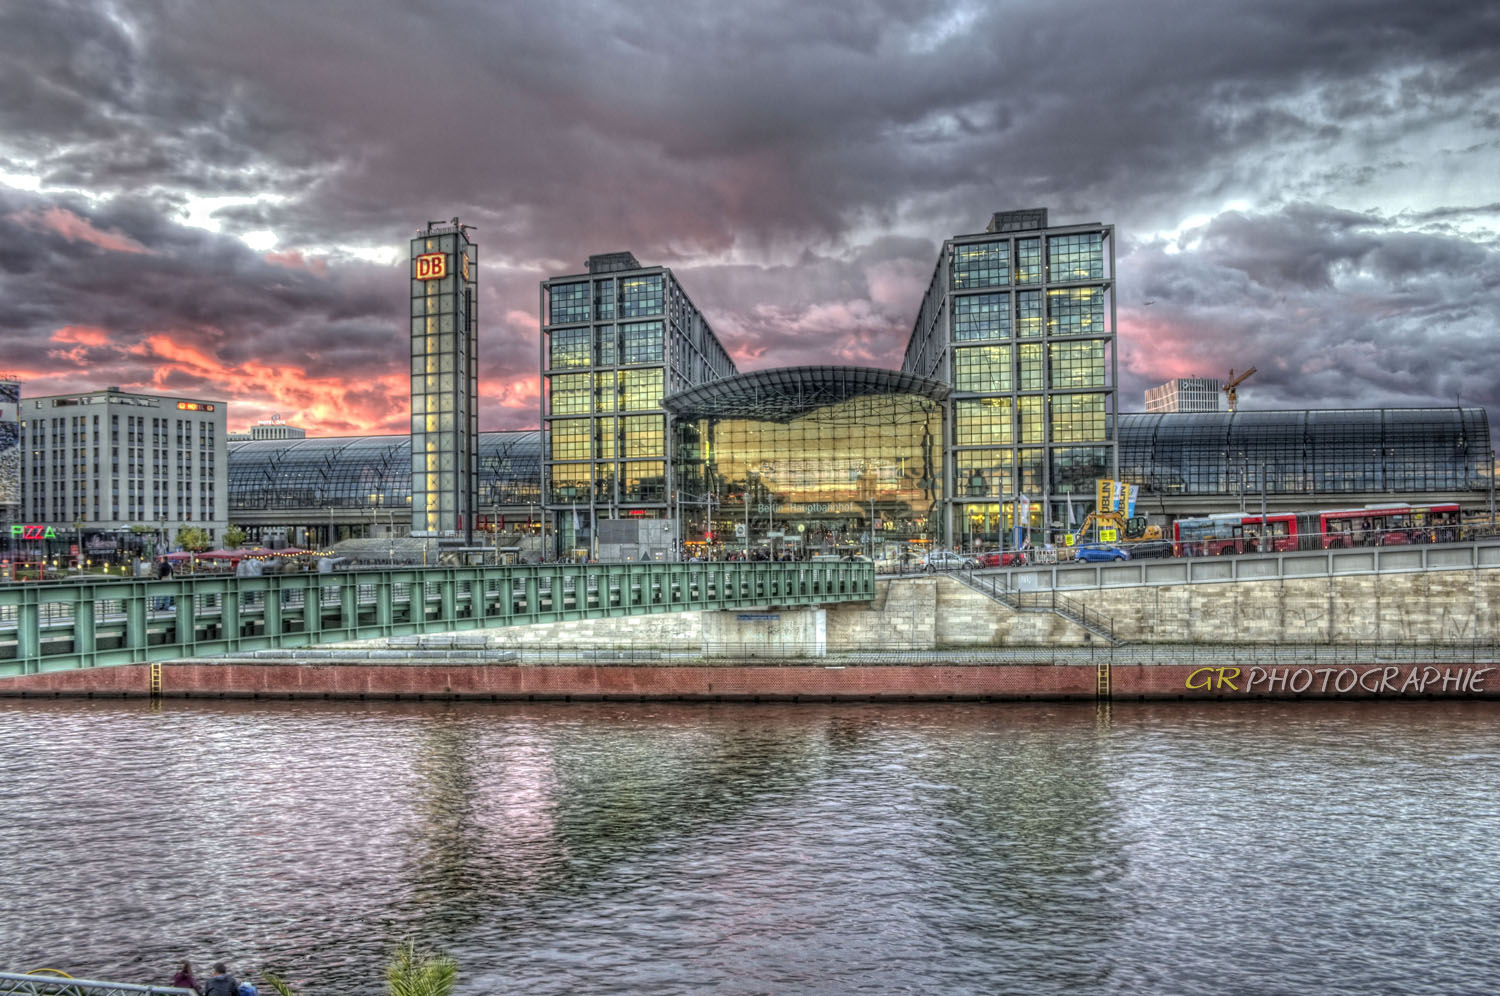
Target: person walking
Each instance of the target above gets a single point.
(222, 984)
(184, 978)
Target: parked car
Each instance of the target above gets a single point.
(1010, 558)
(1095, 553)
(947, 560)
(1151, 549)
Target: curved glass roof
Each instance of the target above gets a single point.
(784, 393)
(361, 471)
(1322, 450)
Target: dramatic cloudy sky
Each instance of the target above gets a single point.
(213, 198)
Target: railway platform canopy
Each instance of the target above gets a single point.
(1192, 463)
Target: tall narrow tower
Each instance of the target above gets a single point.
(444, 382)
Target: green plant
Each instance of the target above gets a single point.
(234, 537)
(193, 538)
(407, 974)
(279, 984)
(411, 974)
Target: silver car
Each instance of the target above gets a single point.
(947, 560)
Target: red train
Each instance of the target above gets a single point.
(1372, 525)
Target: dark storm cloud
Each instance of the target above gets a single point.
(1334, 309)
(797, 164)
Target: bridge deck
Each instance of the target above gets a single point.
(72, 624)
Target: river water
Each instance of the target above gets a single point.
(641, 848)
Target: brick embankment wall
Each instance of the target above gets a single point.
(625, 682)
(614, 681)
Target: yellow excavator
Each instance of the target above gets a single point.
(1133, 529)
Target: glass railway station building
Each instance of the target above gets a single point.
(1005, 409)
(317, 489)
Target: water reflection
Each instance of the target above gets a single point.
(676, 848)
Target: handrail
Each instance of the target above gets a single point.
(69, 625)
(52, 985)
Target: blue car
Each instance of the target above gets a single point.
(1095, 553)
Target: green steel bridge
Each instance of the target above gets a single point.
(63, 625)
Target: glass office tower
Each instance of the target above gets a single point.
(444, 382)
(1020, 321)
(615, 341)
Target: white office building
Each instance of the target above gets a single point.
(1185, 394)
(107, 469)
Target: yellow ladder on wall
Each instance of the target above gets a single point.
(156, 680)
(1101, 687)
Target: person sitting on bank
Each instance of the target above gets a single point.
(222, 983)
(184, 978)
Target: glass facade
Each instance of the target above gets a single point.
(616, 340)
(807, 460)
(445, 381)
(370, 472)
(1019, 320)
(1402, 451)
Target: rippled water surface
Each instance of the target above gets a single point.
(1292, 848)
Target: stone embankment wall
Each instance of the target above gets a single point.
(1421, 607)
(935, 613)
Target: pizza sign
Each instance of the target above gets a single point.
(432, 266)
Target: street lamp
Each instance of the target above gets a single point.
(1492, 489)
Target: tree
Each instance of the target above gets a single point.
(234, 538)
(193, 538)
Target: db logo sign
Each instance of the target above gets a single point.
(432, 266)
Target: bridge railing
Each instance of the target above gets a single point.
(35, 984)
(1481, 553)
(64, 625)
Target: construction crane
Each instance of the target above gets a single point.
(1235, 382)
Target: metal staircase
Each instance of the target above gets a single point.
(998, 587)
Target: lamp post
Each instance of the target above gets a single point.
(748, 475)
(1263, 526)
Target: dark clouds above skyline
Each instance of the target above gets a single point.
(214, 198)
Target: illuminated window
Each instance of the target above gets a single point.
(1029, 314)
(640, 390)
(640, 296)
(983, 422)
(982, 473)
(1030, 409)
(570, 438)
(981, 316)
(604, 299)
(569, 303)
(1077, 418)
(1077, 364)
(986, 264)
(572, 394)
(643, 481)
(982, 368)
(643, 436)
(1030, 357)
(569, 484)
(1075, 257)
(1075, 311)
(641, 342)
(1028, 261)
(570, 348)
